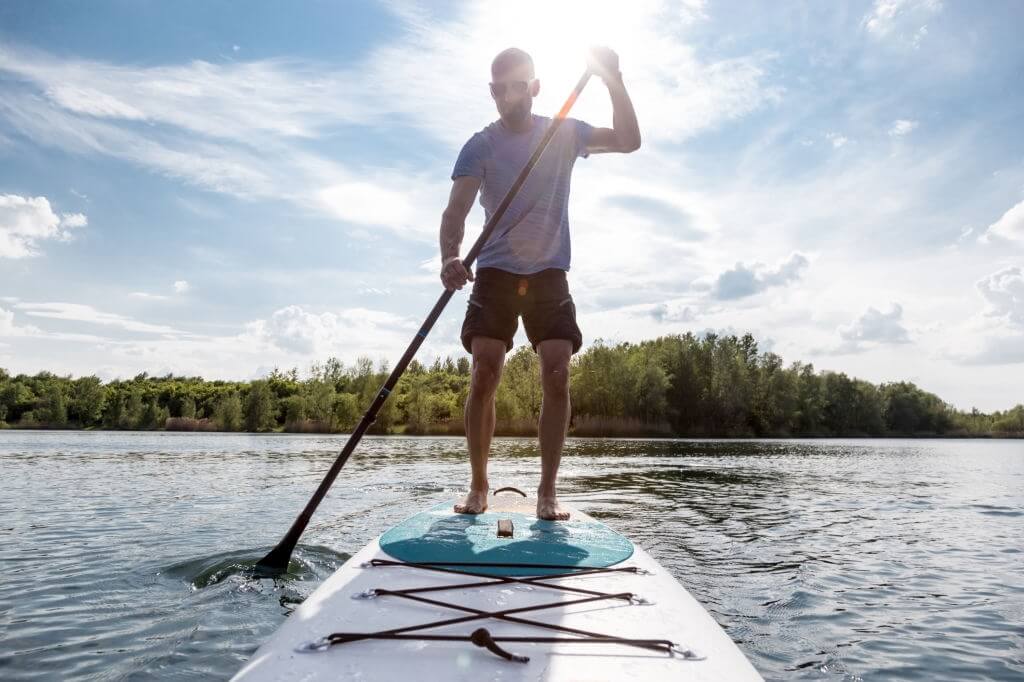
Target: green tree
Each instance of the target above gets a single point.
(319, 397)
(17, 399)
(227, 412)
(154, 416)
(187, 408)
(260, 411)
(346, 411)
(294, 408)
(88, 398)
(134, 410)
(52, 406)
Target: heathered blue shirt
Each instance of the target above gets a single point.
(533, 235)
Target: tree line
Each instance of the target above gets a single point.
(679, 385)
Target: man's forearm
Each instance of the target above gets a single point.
(627, 130)
(452, 231)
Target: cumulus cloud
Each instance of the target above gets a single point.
(1009, 226)
(26, 221)
(901, 127)
(665, 312)
(181, 287)
(871, 330)
(297, 330)
(1004, 293)
(743, 280)
(877, 327)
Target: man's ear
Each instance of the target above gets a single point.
(534, 87)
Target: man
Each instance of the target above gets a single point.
(522, 269)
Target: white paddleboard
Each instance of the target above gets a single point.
(349, 602)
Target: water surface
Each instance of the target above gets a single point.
(123, 553)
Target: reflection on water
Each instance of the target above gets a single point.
(129, 556)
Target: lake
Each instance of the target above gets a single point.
(828, 559)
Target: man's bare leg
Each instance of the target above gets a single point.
(488, 358)
(554, 422)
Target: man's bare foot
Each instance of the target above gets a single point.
(475, 503)
(548, 508)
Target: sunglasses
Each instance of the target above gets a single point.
(515, 87)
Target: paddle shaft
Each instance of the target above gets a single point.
(276, 561)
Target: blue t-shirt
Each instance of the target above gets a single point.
(533, 235)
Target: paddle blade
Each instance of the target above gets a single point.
(274, 564)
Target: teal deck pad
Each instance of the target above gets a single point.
(439, 534)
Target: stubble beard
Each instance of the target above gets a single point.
(518, 115)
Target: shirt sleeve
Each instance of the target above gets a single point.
(582, 131)
(471, 158)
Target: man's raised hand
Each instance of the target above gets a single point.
(603, 62)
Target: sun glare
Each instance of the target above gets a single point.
(558, 35)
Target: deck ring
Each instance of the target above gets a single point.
(316, 646)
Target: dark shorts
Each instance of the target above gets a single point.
(499, 298)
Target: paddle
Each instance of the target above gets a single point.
(276, 561)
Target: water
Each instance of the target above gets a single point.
(124, 554)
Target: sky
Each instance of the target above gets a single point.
(218, 189)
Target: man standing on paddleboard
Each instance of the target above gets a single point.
(522, 268)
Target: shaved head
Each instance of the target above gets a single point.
(508, 60)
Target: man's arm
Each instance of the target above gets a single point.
(624, 135)
(453, 227)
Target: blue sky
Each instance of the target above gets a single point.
(219, 188)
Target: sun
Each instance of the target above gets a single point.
(556, 34)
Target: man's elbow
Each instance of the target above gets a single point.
(630, 145)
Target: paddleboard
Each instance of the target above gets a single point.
(523, 599)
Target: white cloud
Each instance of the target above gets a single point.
(674, 312)
(367, 204)
(181, 287)
(897, 17)
(871, 330)
(7, 327)
(26, 221)
(742, 280)
(78, 312)
(901, 127)
(836, 139)
(73, 220)
(876, 326)
(295, 330)
(148, 296)
(1009, 226)
(1004, 293)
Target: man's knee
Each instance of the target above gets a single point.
(488, 359)
(554, 367)
(555, 380)
(485, 377)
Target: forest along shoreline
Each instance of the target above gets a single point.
(672, 386)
